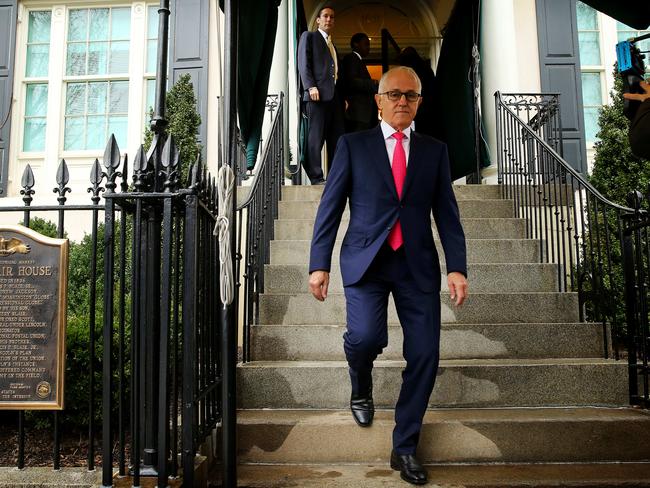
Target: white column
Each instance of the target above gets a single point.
(498, 60)
(215, 73)
(279, 79)
(292, 105)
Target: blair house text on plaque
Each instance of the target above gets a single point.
(33, 302)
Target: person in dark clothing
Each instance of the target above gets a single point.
(318, 68)
(358, 87)
(425, 118)
(640, 127)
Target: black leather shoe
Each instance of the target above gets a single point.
(363, 409)
(409, 468)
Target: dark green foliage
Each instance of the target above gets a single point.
(184, 123)
(43, 226)
(78, 352)
(616, 172)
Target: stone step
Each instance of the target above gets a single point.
(300, 229)
(537, 435)
(478, 251)
(531, 277)
(302, 308)
(462, 192)
(366, 475)
(461, 383)
(306, 209)
(467, 341)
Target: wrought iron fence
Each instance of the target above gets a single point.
(175, 322)
(636, 259)
(159, 350)
(541, 112)
(59, 212)
(256, 215)
(576, 227)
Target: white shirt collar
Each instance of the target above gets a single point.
(388, 131)
(324, 34)
(358, 54)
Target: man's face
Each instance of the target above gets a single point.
(398, 114)
(363, 47)
(325, 20)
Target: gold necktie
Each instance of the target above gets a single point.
(330, 46)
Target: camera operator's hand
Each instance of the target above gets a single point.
(641, 97)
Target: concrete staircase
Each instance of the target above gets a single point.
(521, 380)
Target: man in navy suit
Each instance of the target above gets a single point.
(359, 88)
(393, 180)
(318, 67)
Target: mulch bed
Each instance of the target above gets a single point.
(39, 445)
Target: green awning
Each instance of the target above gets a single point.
(454, 92)
(635, 13)
(258, 21)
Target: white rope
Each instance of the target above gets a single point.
(225, 185)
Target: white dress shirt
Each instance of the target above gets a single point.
(390, 141)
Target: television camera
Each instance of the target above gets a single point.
(632, 69)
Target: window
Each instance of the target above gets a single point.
(94, 111)
(592, 101)
(36, 74)
(97, 46)
(591, 66)
(588, 35)
(87, 75)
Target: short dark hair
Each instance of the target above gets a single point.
(323, 8)
(357, 38)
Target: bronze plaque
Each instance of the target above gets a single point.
(33, 303)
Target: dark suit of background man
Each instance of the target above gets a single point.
(318, 67)
(358, 87)
(393, 179)
(640, 126)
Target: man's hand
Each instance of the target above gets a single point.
(318, 283)
(457, 287)
(313, 94)
(641, 97)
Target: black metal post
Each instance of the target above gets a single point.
(107, 431)
(228, 315)
(630, 313)
(158, 122)
(190, 267)
(152, 257)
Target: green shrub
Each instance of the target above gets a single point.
(75, 416)
(184, 122)
(616, 172)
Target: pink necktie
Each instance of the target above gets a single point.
(395, 239)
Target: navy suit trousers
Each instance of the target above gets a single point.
(325, 125)
(366, 337)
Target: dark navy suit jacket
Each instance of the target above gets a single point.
(358, 89)
(361, 175)
(316, 65)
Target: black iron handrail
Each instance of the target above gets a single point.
(256, 215)
(541, 112)
(386, 39)
(636, 262)
(577, 228)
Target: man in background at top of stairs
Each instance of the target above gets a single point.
(393, 179)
